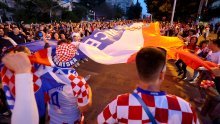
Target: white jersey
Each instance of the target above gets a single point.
(63, 106)
(214, 57)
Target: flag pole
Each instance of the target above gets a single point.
(174, 7)
(200, 9)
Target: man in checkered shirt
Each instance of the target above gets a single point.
(151, 67)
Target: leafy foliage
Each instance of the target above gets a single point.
(3, 6)
(39, 10)
(134, 11)
(184, 9)
(91, 4)
(76, 15)
(211, 11)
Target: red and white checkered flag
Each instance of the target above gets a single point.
(65, 52)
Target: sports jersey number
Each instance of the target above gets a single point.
(54, 99)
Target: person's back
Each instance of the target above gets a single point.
(130, 108)
(62, 103)
(165, 108)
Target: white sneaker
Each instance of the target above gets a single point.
(77, 64)
(82, 61)
(86, 59)
(6, 113)
(192, 82)
(87, 77)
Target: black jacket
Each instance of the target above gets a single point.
(19, 39)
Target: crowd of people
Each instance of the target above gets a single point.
(147, 103)
(201, 29)
(22, 33)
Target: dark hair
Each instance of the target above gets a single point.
(203, 42)
(150, 62)
(164, 51)
(47, 45)
(195, 44)
(216, 42)
(14, 49)
(14, 28)
(63, 41)
(193, 31)
(52, 37)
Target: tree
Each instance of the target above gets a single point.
(3, 6)
(39, 10)
(184, 9)
(118, 12)
(91, 4)
(134, 11)
(34, 10)
(45, 5)
(211, 11)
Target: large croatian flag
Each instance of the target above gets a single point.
(119, 45)
(111, 46)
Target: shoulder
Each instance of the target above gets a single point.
(178, 103)
(174, 97)
(77, 79)
(123, 99)
(124, 96)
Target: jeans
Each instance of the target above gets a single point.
(217, 84)
(181, 68)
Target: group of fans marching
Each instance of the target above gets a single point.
(67, 103)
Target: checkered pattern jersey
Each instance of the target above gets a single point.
(64, 101)
(8, 79)
(78, 84)
(80, 89)
(165, 109)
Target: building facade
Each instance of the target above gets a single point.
(9, 4)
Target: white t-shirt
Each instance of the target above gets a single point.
(63, 106)
(65, 101)
(76, 43)
(214, 57)
(75, 34)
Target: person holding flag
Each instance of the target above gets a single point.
(69, 94)
(25, 108)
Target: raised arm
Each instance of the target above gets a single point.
(25, 108)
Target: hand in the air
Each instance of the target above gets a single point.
(17, 62)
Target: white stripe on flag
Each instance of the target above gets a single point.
(119, 51)
(49, 51)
